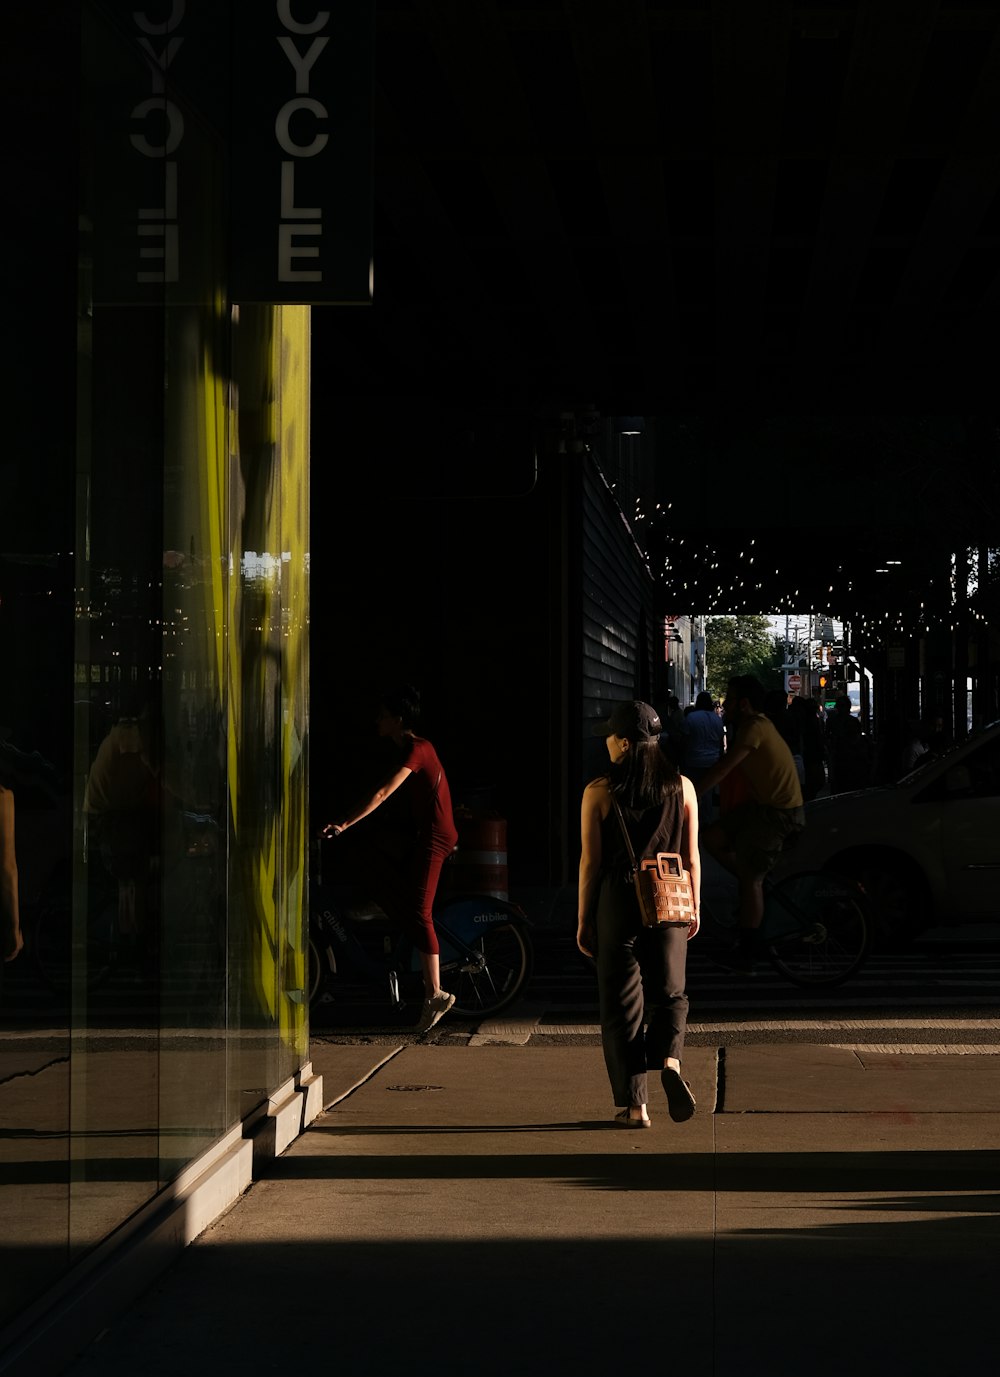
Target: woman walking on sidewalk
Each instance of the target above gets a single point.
(641, 972)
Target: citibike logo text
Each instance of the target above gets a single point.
(332, 921)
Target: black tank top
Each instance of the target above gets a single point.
(650, 830)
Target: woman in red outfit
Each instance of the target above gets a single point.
(421, 772)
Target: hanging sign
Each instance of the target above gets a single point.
(227, 150)
(301, 151)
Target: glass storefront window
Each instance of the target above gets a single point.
(163, 845)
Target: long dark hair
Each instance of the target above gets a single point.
(404, 701)
(644, 777)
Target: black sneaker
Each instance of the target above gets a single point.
(680, 1101)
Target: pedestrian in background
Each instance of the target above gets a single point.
(848, 749)
(805, 711)
(672, 729)
(702, 744)
(789, 727)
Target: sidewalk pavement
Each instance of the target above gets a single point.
(473, 1210)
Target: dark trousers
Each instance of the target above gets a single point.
(641, 975)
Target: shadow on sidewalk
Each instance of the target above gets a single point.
(821, 1174)
(727, 1307)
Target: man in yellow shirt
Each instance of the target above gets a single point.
(748, 839)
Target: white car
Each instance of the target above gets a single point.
(926, 849)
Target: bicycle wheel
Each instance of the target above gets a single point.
(314, 970)
(321, 964)
(815, 928)
(493, 976)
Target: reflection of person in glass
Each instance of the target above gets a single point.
(11, 940)
(121, 804)
(420, 770)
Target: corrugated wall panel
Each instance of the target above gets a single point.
(617, 605)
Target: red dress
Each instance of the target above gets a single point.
(430, 807)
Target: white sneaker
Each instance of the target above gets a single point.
(434, 1010)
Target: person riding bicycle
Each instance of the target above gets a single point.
(748, 839)
(420, 770)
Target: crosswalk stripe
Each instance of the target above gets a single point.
(790, 1025)
(795, 1025)
(948, 1049)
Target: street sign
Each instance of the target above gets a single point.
(794, 683)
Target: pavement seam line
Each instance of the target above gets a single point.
(365, 1079)
(21, 1075)
(864, 1113)
(714, 1345)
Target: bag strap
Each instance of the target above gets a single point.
(628, 839)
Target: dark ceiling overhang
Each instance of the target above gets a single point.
(653, 206)
(753, 216)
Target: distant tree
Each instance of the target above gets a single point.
(741, 645)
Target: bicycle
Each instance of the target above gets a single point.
(487, 954)
(816, 931)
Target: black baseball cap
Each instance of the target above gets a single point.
(638, 721)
